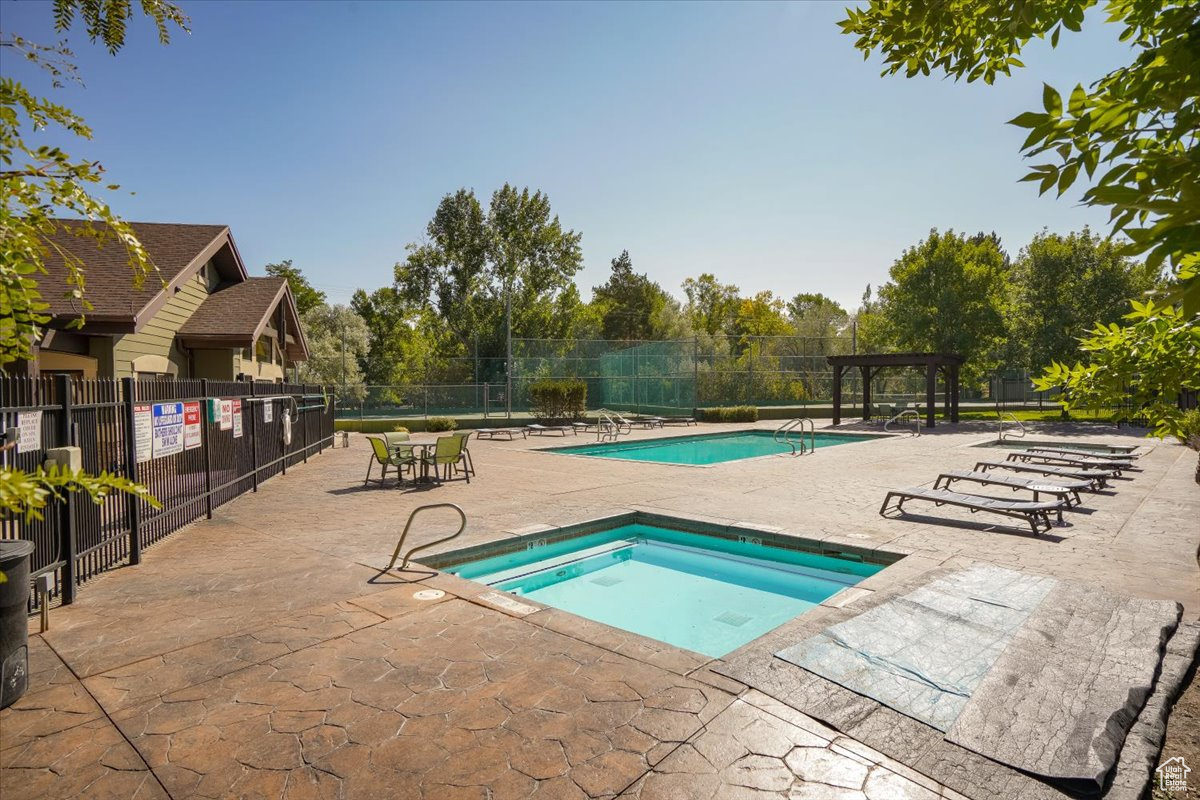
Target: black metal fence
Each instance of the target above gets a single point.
(195, 444)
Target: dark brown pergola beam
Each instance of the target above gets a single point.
(871, 363)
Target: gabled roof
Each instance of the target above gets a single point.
(236, 315)
(178, 251)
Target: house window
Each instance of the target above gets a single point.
(153, 376)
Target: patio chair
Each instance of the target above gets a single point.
(542, 430)
(1099, 478)
(1036, 514)
(1066, 491)
(1115, 467)
(384, 456)
(1125, 459)
(447, 454)
(492, 433)
(468, 462)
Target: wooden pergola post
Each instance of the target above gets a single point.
(837, 395)
(930, 393)
(866, 384)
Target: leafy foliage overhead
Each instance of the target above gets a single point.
(307, 296)
(1135, 133)
(630, 304)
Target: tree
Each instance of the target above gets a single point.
(711, 305)
(1134, 132)
(761, 315)
(630, 304)
(474, 264)
(306, 295)
(815, 316)
(946, 295)
(39, 181)
(337, 340)
(1139, 369)
(1061, 287)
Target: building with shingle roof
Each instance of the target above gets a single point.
(197, 315)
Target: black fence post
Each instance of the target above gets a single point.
(205, 447)
(66, 506)
(253, 439)
(304, 423)
(132, 509)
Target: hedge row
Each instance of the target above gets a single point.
(727, 414)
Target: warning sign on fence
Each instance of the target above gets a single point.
(192, 434)
(226, 414)
(237, 419)
(29, 423)
(268, 411)
(143, 435)
(168, 429)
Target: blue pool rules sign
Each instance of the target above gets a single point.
(167, 429)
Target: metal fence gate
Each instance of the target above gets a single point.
(223, 455)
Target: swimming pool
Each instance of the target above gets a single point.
(705, 448)
(702, 593)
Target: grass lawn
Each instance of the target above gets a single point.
(1047, 415)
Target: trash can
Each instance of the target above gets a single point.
(14, 620)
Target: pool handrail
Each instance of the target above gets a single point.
(408, 556)
(805, 425)
(908, 412)
(1012, 434)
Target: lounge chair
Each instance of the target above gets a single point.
(1065, 492)
(448, 453)
(679, 420)
(648, 423)
(542, 430)
(1086, 463)
(1099, 478)
(1037, 514)
(1122, 458)
(387, 457)
(492, 433)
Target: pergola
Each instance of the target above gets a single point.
(871, 363)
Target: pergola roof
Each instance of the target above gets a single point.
(895, 359)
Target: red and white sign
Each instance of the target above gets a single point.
(237, 419)
(143, 432)
(226, 414)
(192, 429)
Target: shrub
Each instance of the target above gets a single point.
(440, 424)
(727, 414)
(400, 429)
(558, 399)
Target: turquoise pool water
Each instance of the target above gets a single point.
(698, 592)
(709, 448)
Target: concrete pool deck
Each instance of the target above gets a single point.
(258, 655)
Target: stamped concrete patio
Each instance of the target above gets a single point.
(261, 654)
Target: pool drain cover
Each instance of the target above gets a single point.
(429, 594)
(733, 618)
(606, 580)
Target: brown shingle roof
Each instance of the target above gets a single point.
(235, 315)
(109, 282)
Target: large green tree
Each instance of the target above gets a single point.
(946, 295)
(1061, 287)
(630, 304)
(40, 182)
(1135, 134)
(815, 316)
(473, 264)
(711, 305)
(337, 341)
(307, 296)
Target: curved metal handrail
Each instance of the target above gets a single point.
(408, 556)
(805, 425)
(908, 412)
(609, 429)
(1017, 422)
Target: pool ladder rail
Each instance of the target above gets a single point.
(1013, 433)
(462, 516)
(905, 414)
(610, 426)
(803, 425)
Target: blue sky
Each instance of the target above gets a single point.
(747, 140)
